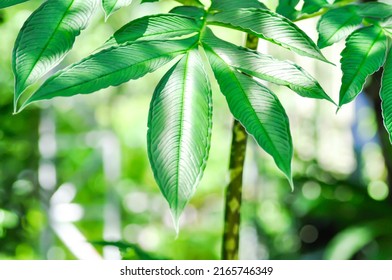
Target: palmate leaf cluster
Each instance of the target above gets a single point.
(180, 116)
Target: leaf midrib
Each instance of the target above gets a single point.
(118, 70)
(181, 128)
(47, 44)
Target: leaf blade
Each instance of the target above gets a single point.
(225, 5)
(375, 10)
(179, 131)
(312, 6)
(386, 95)
(46, 37)
(155, 27)
(266, 67)
(269, 26)
(9, 3)
(258, 110)
(337, 24)
(112, 6)
(363, 55)
(287, 8)
(121, 64)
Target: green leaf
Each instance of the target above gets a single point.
(189, 11)
(386, 94)
(386, 25)
(148, 1)
(179, 133)
(337, 24)
(112, 6)
(312, 6)
(111, 67)
(363, 55)
(375, 10)
(8, 3)
(266, 67)
(257, 109)
(155, 27)
(46, 37)
(195, 3)
(225, 5)
(287, 8)
(269, 26)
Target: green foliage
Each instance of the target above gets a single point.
(133, 60)
(367, 26)
(287, 8)
(181, 111)
(363, 55)
(337, 24)
(386, 94)
(8, 3)
(111, 6)
(46, 37)
(266, 67)
(258, 110)
(223, 5)
(269, 26)
(274, 216)
(179, 133)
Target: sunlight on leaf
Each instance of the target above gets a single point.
(179, 133)
(46, 37)
(363, 55)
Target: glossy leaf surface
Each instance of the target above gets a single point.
(266, 67)
(155, 27)
(46, 37)
(180, 122)
(111, 6)
(386, 95)
(8, 3)
(269, 26)
(337, 24)
(258, 110)
(111, 67)
(225, 5)
(363, 55)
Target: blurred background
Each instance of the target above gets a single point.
(75, 182)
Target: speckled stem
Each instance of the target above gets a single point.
(230, 244)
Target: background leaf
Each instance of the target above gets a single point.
(269, 26)
(111, 67)
(111, 6)
(337, 24)
(8, 3)
(46, 37)
(376, 10)
(155, 27)
(225, 5)
(363, 55)
(258, 110)
(180, 122)
(189, 11)
(266, 67)
(287, 8)
(312, 6)
(386, 94)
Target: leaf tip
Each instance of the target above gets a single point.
(291, 182)
(176, 220)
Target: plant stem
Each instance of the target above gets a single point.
(230, 244)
